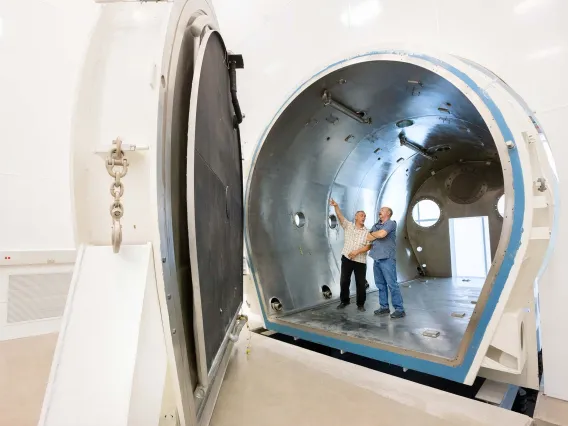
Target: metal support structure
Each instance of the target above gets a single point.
(357, 116)
(415, 147)
(498, 394)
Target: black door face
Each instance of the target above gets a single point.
(218, 191)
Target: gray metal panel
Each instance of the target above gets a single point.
(172, 172)
(435, 240)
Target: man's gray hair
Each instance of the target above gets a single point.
(360, 211)
(389, 210)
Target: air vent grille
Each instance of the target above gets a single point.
(37, 296)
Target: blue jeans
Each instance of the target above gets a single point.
(385, 276)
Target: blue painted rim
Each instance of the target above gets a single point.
(456, 373)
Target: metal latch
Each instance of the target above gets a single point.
(102, 149)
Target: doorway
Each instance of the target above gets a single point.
(470, 246)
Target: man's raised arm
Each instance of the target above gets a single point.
(338, 213)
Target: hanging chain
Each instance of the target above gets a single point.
(117, 167)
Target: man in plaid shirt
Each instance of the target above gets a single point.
(353, 256)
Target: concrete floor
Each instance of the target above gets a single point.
(429, 305)
(281, 385)
(24, 372)
(276, 384)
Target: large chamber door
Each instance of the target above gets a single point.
(214, 203)
(201, 222)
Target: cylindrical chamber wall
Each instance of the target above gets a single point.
(313, 152)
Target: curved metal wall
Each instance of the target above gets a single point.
(313, 152)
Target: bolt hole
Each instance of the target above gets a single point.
(299, 219)
(275, 304)
(163, 82)
(328, 138)
(404, 123)
(326, 292)
(332, 221)
(419, 249)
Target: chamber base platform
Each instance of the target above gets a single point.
(281, 385)
(432, 305)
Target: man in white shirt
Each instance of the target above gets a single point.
(353, 256)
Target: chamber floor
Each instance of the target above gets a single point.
(429, 304)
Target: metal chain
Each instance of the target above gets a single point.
(117, 167)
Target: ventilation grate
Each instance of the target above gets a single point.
(37, 296)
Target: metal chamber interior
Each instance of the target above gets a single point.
(314, 151)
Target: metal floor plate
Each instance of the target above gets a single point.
(429, 305)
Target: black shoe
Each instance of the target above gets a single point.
(382, 311)
(398, 314)
(361, 308)
(342, 305)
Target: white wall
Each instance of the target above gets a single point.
(284, 42)
(42, 43)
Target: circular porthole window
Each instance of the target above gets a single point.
(426, 213)
(501, 205)
(299, 219)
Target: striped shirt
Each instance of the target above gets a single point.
(355, 239)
